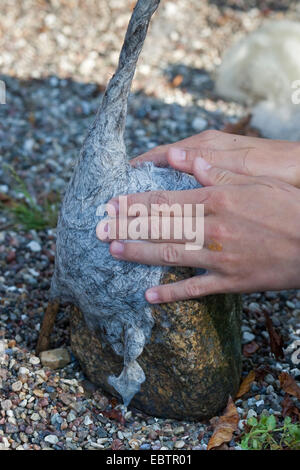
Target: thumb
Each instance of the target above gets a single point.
(208, 175)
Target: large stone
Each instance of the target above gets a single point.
(192, 362)
(55, 358)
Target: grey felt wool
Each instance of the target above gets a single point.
(110, 293)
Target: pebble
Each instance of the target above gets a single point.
(199, 124)
(34, 360)
(87, 421)
(42, 146)
(248, 337)
(6, 405)
(55, 358)
(251, 414)
(17, 386)
(34, 246)
(269, 379)
(35, 417)
(179, 444)
(52, 439)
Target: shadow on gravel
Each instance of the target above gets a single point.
(44, 121)
(244, 5)
(197, 82)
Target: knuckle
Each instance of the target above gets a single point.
(192, 288)
(208, 154)
(219, 232)
(169, 254)
(227, 261)
(222, 176)
(169, 294)
(158, 198)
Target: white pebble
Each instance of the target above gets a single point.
(251, 414)
(52, 439)
(34, 246)
(248, 337)
(199, 124)
(16, 386)
(179, 444)
(87, 421)
(34, 360)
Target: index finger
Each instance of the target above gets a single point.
(162, 201)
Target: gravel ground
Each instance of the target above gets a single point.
(56, 56)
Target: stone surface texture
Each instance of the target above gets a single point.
(55, 358)
(192, 362)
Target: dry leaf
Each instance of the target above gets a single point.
(246, 384)
(276, 341)
(242, 127)
(250, 349)
(117, 444)
(177, 81)
(289, 408)
(114, 414)
(289, 384)
(225, 427)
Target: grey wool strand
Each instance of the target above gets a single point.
(110, 293)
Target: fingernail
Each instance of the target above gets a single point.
(178, 155)
(152, 296)
(201, 164)
(115, 204)
(116, 248)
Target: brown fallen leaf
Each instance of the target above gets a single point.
(117, 444)
(250, 349)
(225, 427)
(6, 200)
(246, 384)
(289, 384)
(276, 340)
(114, 414)
(177, 81)
(289, 408)
(242, 127)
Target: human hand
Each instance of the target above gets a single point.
(250, 156)
(251, 236)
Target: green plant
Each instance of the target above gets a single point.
(265, 435)
(26, 211)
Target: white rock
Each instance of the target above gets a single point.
(248, 337)
(34, 360)
(87, 421)
(34, 246)
(35, 417)
(179, 444)
(16, 386)
(23, 371)
(52, 439)
(71, 416)
(260, 402)
(251, 414)
(6, 405)
(199, 124)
